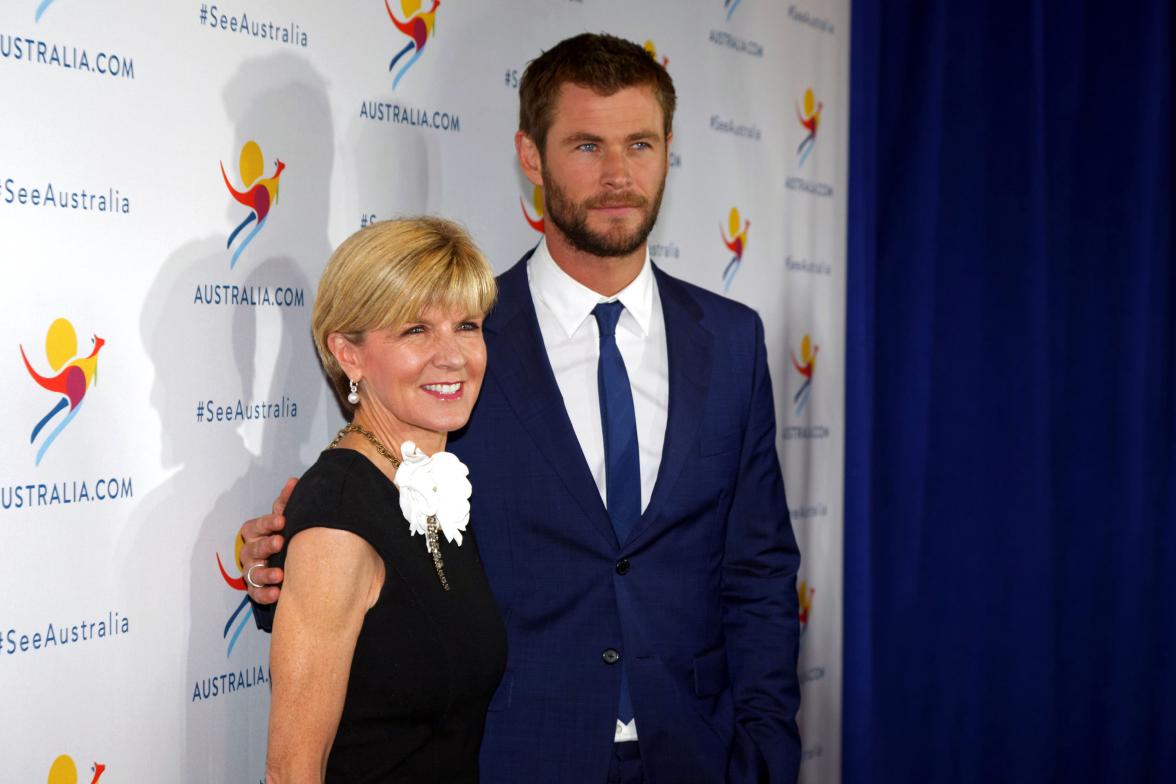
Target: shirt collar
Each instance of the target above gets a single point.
(571, 302)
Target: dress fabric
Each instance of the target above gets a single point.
(427, 660)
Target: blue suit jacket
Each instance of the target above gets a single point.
(704, 617)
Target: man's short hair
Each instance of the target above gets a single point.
(601, 62)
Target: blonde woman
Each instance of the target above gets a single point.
(387, 644)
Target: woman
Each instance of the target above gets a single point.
(387, 646)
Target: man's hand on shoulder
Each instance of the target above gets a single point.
(262, 539)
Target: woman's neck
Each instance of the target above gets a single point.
(392, 433)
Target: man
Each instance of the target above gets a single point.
(627, 496)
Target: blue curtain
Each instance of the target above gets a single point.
(1011, 476)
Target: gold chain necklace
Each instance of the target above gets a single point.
(430, 521)
(354, 428)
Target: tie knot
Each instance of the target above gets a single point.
(607, 314)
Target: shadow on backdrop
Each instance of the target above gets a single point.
(225, 472)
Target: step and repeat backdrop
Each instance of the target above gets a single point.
(173, 177)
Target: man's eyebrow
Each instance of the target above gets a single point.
(641, 135)
(582, 136)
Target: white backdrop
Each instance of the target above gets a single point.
(125, 654)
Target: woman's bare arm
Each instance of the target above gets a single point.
(332, 578)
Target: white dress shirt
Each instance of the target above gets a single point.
(572, 339)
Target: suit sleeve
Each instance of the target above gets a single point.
(263, 615)
(760, 606)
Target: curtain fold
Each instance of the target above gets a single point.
(1011, 421)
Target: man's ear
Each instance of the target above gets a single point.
(347, 354)
(529, 159)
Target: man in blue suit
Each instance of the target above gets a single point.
(628, 499)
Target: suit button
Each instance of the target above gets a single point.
(610, 656)
(623, 566)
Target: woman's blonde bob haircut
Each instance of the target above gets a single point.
(388, 274)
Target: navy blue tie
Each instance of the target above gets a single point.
(622, 462)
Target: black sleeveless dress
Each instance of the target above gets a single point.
(427, 660)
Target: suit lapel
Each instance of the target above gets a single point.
(688, 345)
(518, 363)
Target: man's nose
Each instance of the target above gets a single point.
(616, 172)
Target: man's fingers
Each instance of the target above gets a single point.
(261, 527)
(269, 546)
(262, 541)
(284, 497)
(266, 577)
(257, 550)
(264, 595)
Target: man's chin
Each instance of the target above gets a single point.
(615, 240)
(606, 246)
(607, 237)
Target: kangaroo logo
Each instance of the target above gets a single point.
(64, 771)
(258, 194)
(805, 594)
(41, 8)
(805, 367)
(735, 244)
(536, 223)
(244, 611)
(810, 119)
(419, 26)
(71, 377)
(649, 46)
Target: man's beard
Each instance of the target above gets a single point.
(572, 220)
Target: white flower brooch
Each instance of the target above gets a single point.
(434, 496)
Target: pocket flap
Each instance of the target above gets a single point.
(710, 673)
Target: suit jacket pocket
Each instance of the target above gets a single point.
(711, 676)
